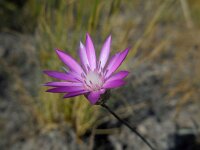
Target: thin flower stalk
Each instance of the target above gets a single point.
(93, 78)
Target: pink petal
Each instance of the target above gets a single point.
(83, 56)
(118, 76)
(102, 91)
(69, 61)
(94, 96)
(113, 84)
(60, 75)
(90, 52)
(105, 51)
(66, 89)
(76, 76)
(74, 94)
(116, 62)
(58, 84)
(112, 61)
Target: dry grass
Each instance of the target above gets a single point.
(61, 27)
(162, 33)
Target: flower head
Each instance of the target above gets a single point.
(93, 77)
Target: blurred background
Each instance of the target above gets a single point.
(162, 93)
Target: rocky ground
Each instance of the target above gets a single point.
(155, 119)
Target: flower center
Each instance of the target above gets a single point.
(93, 81)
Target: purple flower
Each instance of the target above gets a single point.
(93, 77)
